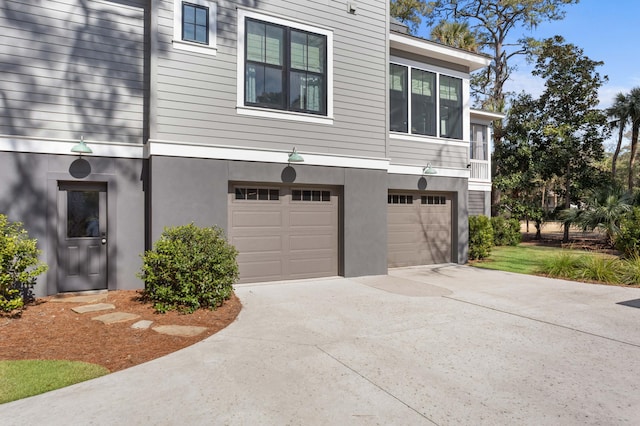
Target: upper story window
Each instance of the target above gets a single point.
(283, 67)
(194, 26)
(195, 23)
(431, 95)
(479, 149)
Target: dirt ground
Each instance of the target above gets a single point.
(553, 232)
(51, 330)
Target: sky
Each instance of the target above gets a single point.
(606, 30)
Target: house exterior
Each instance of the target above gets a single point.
(193, 109)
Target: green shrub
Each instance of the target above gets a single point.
(631, 270)
(602, 269)
(480, 237)
(189, 268)
(627, 240)
(19, 266)
(506, 232)
(565, 265)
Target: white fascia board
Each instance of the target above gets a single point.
(480, 186)
(417, 170)
(486, 115)
(221, 152)
(63, 147)
(434, 50)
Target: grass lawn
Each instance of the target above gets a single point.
(521, 259)
(20, 379)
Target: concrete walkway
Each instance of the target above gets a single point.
(443, 345)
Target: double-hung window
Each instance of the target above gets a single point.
(285, 68)
(418, 97)
(194, 26)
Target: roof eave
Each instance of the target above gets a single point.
(422, 47)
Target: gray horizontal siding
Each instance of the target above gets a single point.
(72, 67)
(197, 94)
(476, 203)
(418, 152)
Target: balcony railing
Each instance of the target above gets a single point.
(480, 170)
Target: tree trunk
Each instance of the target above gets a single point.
(634, 147)
(567, 205)
(614, 159)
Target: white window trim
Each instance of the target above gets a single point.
(178, 43)
(242, 109)
(466, 110)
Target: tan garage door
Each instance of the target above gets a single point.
(419, 227)
(284, 233)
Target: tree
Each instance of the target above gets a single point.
(572, 131)
(634, 115)
(619, 111)
(409, 11)
(493, 21)
(456, 34)
(520, 178)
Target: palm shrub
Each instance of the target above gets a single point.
(189, 268)
(506, 232)
(480, 237)
(627, 239)
(19, 265)
(604, 210)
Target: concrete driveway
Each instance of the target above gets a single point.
(445, 345)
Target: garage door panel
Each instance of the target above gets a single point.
(270, 270)
(318, 242)
(256, 219)
(419, 233)
(255, 244)
(313, 218)
(307, 268)
(293, 236)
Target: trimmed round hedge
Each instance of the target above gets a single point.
(189, 268)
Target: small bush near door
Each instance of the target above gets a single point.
(189, 268)
(480, 237)
(19, 266)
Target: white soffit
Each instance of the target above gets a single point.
(439, 51)
(487, 115)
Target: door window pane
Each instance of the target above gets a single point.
(83, 214)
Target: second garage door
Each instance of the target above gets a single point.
(419, 229)
(284, 233)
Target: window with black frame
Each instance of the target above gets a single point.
(398, 102)
(423, 102)
(195, 23)
(450, 107)
(285, 68)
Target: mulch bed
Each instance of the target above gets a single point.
(51, 330)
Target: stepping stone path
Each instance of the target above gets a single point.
(93, 308)
(179, 330)
(115, 317)
(95, 303)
